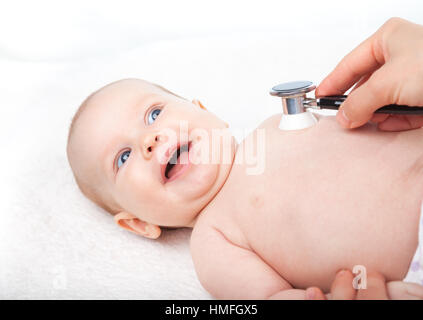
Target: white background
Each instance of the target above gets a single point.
(45, 30)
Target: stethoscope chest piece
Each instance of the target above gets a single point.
(295, 104)
(292, 88)
(294, 114)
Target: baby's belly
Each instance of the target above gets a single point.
(330, 198)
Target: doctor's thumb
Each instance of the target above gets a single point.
(361, 103)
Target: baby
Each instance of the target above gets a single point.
(324, 199)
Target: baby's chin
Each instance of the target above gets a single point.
(204, 177)
(196, 182)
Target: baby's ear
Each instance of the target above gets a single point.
(132, 223)
(198, 104)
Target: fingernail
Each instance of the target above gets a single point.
(343, 118)
(341, 272)
(310, 294)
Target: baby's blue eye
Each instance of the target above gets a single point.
(153, 114)
(122, 158)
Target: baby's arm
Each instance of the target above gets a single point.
(228, 271)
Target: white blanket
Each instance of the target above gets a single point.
(56, 244)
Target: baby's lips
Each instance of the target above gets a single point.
(163, 152)
(162, 167)
(195, 152)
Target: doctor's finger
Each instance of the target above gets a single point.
(379, 117)
(362, 81)
(314, 293)
(342, 287)
(364, 59)
(401, 123)
(360, 104)
(375, 289)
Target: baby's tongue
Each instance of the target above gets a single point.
(182, 161)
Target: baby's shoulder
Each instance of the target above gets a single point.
(202, 234)
(207, 222)
(214, 229)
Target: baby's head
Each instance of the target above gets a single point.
(122, 146)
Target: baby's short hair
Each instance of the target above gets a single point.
(88, 190)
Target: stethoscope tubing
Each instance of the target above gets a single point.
(334, 102)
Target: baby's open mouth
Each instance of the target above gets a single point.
(178, 162)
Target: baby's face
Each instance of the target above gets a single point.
(125, 139)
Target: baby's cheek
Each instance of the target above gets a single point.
(132, 190)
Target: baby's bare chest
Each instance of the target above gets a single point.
(324, 200)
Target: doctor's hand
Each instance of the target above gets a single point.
(376, 289)
(342, 288)
(387, 68)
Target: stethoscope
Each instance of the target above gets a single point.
(295, 105)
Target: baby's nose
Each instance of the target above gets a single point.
(150, 142)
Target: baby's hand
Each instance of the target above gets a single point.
(376, 289)
(387, 68)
